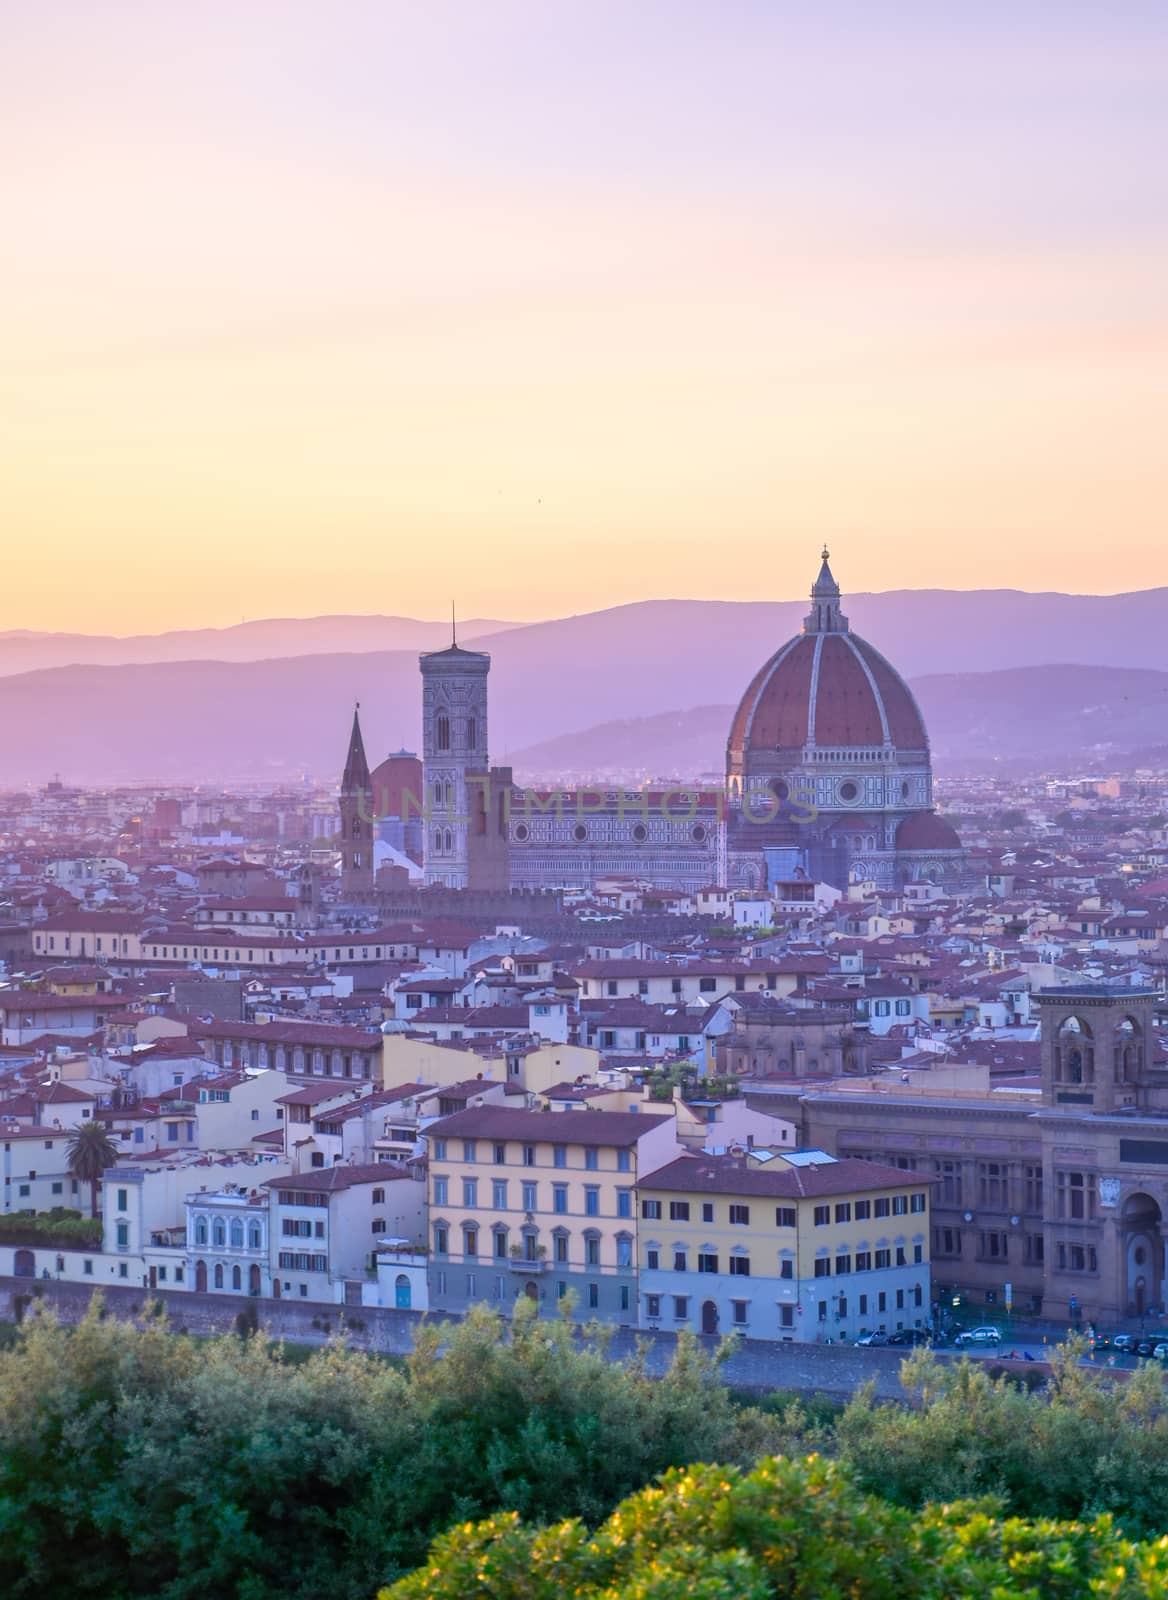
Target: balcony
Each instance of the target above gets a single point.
(530, 1264)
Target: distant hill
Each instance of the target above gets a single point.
(1031, 716)
(980, 661)
(22, 651)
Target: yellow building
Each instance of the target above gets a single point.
(524, 1064)
(798, 1246)
(540, 1203)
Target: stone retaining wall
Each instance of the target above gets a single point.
(834, 1370)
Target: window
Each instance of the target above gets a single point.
(560, 1198)
(883, 1208)
(784, 1216)
(680, 1261)
(863, 1210)
(883, 1259)
(863, 1260)
(441, 1240)
(499, 1194)
(1075, 1195)
(1032, 1188)
(652, 1306)
(740, 1216)
(469, 1150)
(624, 1161)
(843, 1265)
(651, 1210)
(738, 1312)
(529, 1155)
(439, 1149)
(471, 1242)
(123, 1197)
(679, 1211)
(947, 1241)
(87, 1268)
(786, 1267)
(918, 1254)
(843, 1211)
(624, 1250)
(1034, 1248)
(624, 1202)
(1075, 1258)
(560, 1244)
(593, 1296)
(530, 1197)
(592, 1251)
(591, 1160)
(822, 1216)
(707, 1262)
(591, 1201)
(917, 1203)
(993, 1246)
(500, 1155)
(441, 1191)
(470, 1192)
(652, 1260)
(786, 1316)
(991, 1183)
(500, 1237)
(560, 1156)
(823, 1267)
(739, 1266)
(707, 1211)
(680, 1307)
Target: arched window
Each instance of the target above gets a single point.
(236, 1278)
(200, 1230)
(442, 731)
(448, 840)
(254, 1236)
(472, 733)
(236, 1234)
(437, 838)
(218, 1233)
(356, 829)
(218, 1274)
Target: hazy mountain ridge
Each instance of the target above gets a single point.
(974, 719)
(23, 650)
(280, 716)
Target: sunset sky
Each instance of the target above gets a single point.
(548, 305)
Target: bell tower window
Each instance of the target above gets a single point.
(442, 731)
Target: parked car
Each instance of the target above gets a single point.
(1126, 1342)
(910, 1336)
(873, 1338)
(1101, 1341)
(983, 1335)
(1160, 1351)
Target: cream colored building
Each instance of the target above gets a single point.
(793, 1247)
(541, 1203)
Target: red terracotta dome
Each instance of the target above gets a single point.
(827, 689)
(398, 775)
(925, 830)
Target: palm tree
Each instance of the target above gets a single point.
(90, 1151)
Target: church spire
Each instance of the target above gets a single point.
(825, 615)
(356, 775)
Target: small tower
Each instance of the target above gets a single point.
(825, 615)
(454, 749)
(356, 837)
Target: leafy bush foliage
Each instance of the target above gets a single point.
(137, 1462)
(67, 1230)
(797, 1529)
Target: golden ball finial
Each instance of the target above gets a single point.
(826, 553)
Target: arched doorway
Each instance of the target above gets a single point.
(1074, 1053)
(200, 1277)
(401, 1292)
(1143, 1253)
(709, 1317)
(24, 1264)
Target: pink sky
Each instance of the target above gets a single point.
(559, 304)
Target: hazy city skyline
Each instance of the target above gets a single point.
(554, 308)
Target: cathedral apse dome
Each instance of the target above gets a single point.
(828, 757)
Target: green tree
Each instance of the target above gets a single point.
(89, 1153)
(797, 1529)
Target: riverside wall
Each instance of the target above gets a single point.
(756, 1365)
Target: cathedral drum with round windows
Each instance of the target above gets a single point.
(828, 735)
